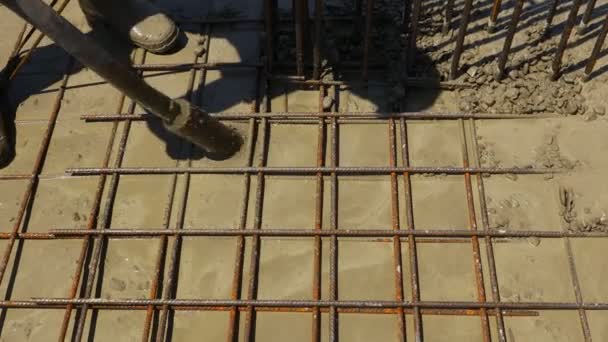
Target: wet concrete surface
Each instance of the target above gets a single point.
(528, 270)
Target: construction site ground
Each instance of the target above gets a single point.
(529, 269)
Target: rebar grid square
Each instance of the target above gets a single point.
(60, 202)
(213, 279)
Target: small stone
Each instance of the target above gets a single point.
(533, 240)
(512, 93)
(488, 100)
(514, 74)
(512, 177)
(570, 79)
(472, 71)
(599, 110)
(526, 69)
(578, 88)
(572, 107)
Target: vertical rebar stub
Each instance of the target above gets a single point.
(191, 123)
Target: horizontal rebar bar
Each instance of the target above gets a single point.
(384, 311)
(370, 304)
(188, 66)
(312, 170)
(286, 232)
(313, 116)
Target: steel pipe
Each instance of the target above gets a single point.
(179, 116)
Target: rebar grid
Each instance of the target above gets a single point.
(162, 297)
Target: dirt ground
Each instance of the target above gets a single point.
(574, 198)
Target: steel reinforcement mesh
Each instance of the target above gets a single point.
(325, 305)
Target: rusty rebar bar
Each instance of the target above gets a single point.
(485, 221)
(413, 36)
(464, 23)
(300, 27)
(350, 116)
(549, 20)
(269, 12)
(494, 13)
(254, 265)
(563, 43)
(412, 231)
(477, 267)
(380, 170)
(319, 186)
(397, 260)
(584, 25)
(596, 49)
(188, 66)
(448, 17)
(369, 14)
(316, 72)
(445, 232)
(504, 55)
(364, 304)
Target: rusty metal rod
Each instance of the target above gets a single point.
(477, 267)
(504, 55)
(550, 17)
(494, 15)
(563, 43)
(397, 257)
(419, 82)
(319, 186)
(188, 66)
(488, 238)
(596, 49)
(448, 17)
(369, 304)
(311, 170)
(254, 265)
(464, 23)
(584, 25)
(269, 27)
(369, 13)
(352, 116)
(412, 46)
(446, 232)
(179, 116)
(300, 25)
(368, 307)
(316, 72)
(412, 231)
